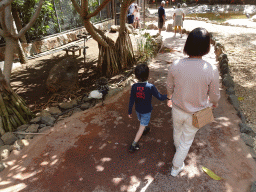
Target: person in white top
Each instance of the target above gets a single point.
(136, 14)
(178, 18)
(192, 85)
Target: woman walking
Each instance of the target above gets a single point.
(192, 85)
(178, 18)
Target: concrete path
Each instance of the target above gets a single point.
(89, 151)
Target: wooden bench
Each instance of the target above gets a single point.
(73, 49)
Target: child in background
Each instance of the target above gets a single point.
(141, 94)
(137, 17)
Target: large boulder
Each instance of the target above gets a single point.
(64, 75)
(114, 28)
(151, 26)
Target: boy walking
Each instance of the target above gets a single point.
(141, 94)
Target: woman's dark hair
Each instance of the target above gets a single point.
(142, 72)
(178, 5)
(198, 42)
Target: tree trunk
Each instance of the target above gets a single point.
(123, 42)
(18, 24)
(9, 55)
(13, 110)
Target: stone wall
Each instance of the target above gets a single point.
(53, 41)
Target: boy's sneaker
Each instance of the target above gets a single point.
(134, 148)
(146, 131)
(175, 172)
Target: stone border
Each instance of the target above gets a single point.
(247, 133)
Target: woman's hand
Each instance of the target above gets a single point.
(169, 103)
(130, 116)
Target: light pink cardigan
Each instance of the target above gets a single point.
(193, 83)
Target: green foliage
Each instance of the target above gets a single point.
(93, 4)
(146, 47)
(27, 8)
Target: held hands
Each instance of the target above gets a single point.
(130, 116)
(169, 103)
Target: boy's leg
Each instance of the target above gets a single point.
(139, 133)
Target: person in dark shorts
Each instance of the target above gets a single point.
(141, 95)
(161, 16)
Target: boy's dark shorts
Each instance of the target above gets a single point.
(144, 118)
(130, 19)
(160, 24)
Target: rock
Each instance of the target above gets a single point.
(85, 106)
(130, 28)
(169, 28)
(2, 167)
(248, 140)
(1, 143)
(5, 152)
(20, 136)
(228, 81)
(23, 127)
(42, 126)
(68, 105)
(76, 110)
(241, 115)
(183, 31)
(114, 28)
(234, 101)
(9, 138)
(85, 99)
(244, 128)
(44, 129)
(43, 113)
(36, 120)
(230, 91)
(28, 137)
(48, 120)
(63, 76)
(224, 69)
(54, 110)
(253, 188)
(32, 128)
(151, 26)
(20, 144)
(253, 18)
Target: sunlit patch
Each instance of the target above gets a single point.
(123, 188)
(117, 180)
(54, 156)
(99, 168)
(11, 162)
(34, 179)
(14, 167)
(150, 179)
(90, 147)
(24, 156)
(142, 161)
(54, 162)
(17, 187)
(236, 138)
(104, 159)
(5, 183)
(44, 163)
(102, 146)
(46, 154)
(134, 183)
(160, 164)
(81, 179)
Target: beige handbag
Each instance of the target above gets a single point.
(202, 118)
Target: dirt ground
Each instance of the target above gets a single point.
(89, 150)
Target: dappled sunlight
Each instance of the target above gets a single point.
(142, 161)
(99, 168)
(13, 188)
(117, 180)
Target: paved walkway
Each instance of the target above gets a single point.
(89, 151)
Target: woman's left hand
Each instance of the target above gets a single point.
(169, 103)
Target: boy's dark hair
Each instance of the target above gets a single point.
(178, 5)
(198, 42)
(142, 72)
